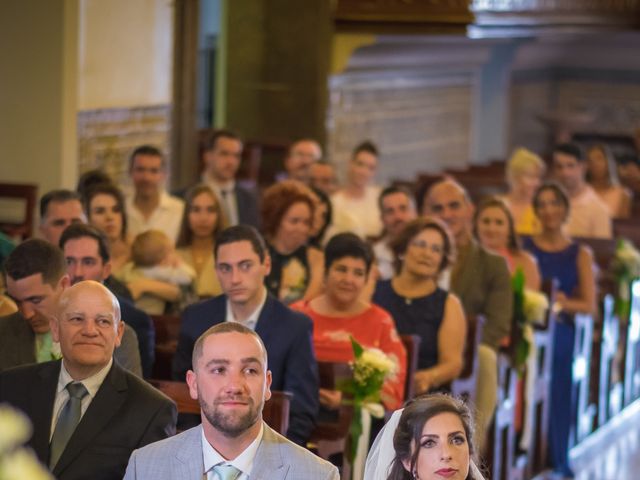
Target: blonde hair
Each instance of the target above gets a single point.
(521, 160)
(150, 248)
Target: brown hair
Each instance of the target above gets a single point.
(185, 237)
(149, 248)
(224, 327)
(278, 198)
(35, 256)
(409, 432)
(513, 243)
(400, 242)
(557, 190)
(113, 191)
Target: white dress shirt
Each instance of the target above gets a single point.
(92, 384)
(166, 217)
(243, 462)
(252, 319)
(384, 258)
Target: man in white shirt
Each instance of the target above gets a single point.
(231, 381)
(88, 413)
(221, 156)
(150, 206)
(397, 208)
(589, 216)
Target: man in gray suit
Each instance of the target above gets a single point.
(231, 382)
(35, 274)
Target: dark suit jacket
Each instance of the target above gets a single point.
(286, 334)
(17, 345)
(484, 287)
(125, 414)
(143, 326)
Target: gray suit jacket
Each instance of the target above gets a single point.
(17, 345)
(180, 457)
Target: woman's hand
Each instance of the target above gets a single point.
(330, 398)
(422, 381)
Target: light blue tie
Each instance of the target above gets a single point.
(67, 421)
(226, 472)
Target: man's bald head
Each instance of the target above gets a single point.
(90, 289)
(449, 201)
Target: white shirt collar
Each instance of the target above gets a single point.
(92, 383)
(243, 462)
(252, 320)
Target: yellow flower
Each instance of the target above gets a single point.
(15, 428)
(22, 464)
(376, 359)
(535, 306)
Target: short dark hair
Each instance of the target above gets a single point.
(240, 233)
(392, 190)
(56, 196)
(149, 150)
(571, 149)
(400, 242)
(224, 327)
(211, 140)
(35, 256)
(366, 146)
(90, 179)
(113, 191)
(557, 190)
(408, 434)
(347, 245)
(83, 230)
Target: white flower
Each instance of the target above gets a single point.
(628, 257)
(535, 306)
(22, 464)
(15, 428)
(376, 359)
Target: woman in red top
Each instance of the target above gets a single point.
(340, 313)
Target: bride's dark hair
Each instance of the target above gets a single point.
(409, 432)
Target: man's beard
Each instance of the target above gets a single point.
(229, 424)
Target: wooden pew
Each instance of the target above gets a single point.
(167, 332)
(465, 385)
(412, 346)
(586, 411)
(26, 195)
(275, 411)
(632, 351)
(629, 229)
(609, 390)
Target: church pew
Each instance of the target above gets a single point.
(167, 332)
(628, 228)
(585, 409)
(632, 350)
(465, 385)
(412, 346)
(609, 385)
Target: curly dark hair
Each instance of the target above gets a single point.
(278, 198)
(111, 190)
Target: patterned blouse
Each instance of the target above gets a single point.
(373, 328)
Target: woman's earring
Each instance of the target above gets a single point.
(415, 475)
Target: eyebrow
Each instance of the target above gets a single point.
(433, 435)
(224, 361)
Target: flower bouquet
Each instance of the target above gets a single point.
(370, 369)
(16, 462)
(626, 267)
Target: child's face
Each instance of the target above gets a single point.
(169, 258)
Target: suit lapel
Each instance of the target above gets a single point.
(42, 408)
(268, 463)
(189, 462)
(110, 397)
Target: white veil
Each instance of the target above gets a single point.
(382, 453)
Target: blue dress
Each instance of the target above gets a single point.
(563, 266)
(417, 316)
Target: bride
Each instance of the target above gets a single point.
(431, 438)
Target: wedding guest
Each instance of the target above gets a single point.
(288, 209)
(493, 227)
(431, 438)
(105, 208)
(603, 178)
(324, 177)
(423, 249)
(202, 221)
(58, 210)
(570, 263)
(340, 313)
(322, 219)
(301, 155)
(524, 171)
(354, 203)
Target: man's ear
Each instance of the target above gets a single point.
(54, 324)
(267, 263)
(193, 384)
(64, 282)
(267, 392)
(106, 270)
(119, 332)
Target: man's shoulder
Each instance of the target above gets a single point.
(32, 370)
(186, 441)
(209, 306)
(12, 321)
(300, 460)
(287, 317)
(143, 392)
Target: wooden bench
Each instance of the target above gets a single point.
(167, 331)
(25, 194)
(628, 228)
(412, 346)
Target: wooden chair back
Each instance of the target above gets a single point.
(25, 194)
(167, 331)
(465, 385)
(275, 412)
(412, 346)
(628, 228)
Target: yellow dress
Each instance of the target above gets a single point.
(206, 283)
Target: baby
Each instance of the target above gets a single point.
(156, 276)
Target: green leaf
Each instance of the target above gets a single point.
(357, 348)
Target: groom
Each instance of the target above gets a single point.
(231, 381)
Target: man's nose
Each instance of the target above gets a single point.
(26, 310)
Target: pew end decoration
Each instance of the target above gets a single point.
(371, 368)
(15, 460)
(529, 309)
(626, 268)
